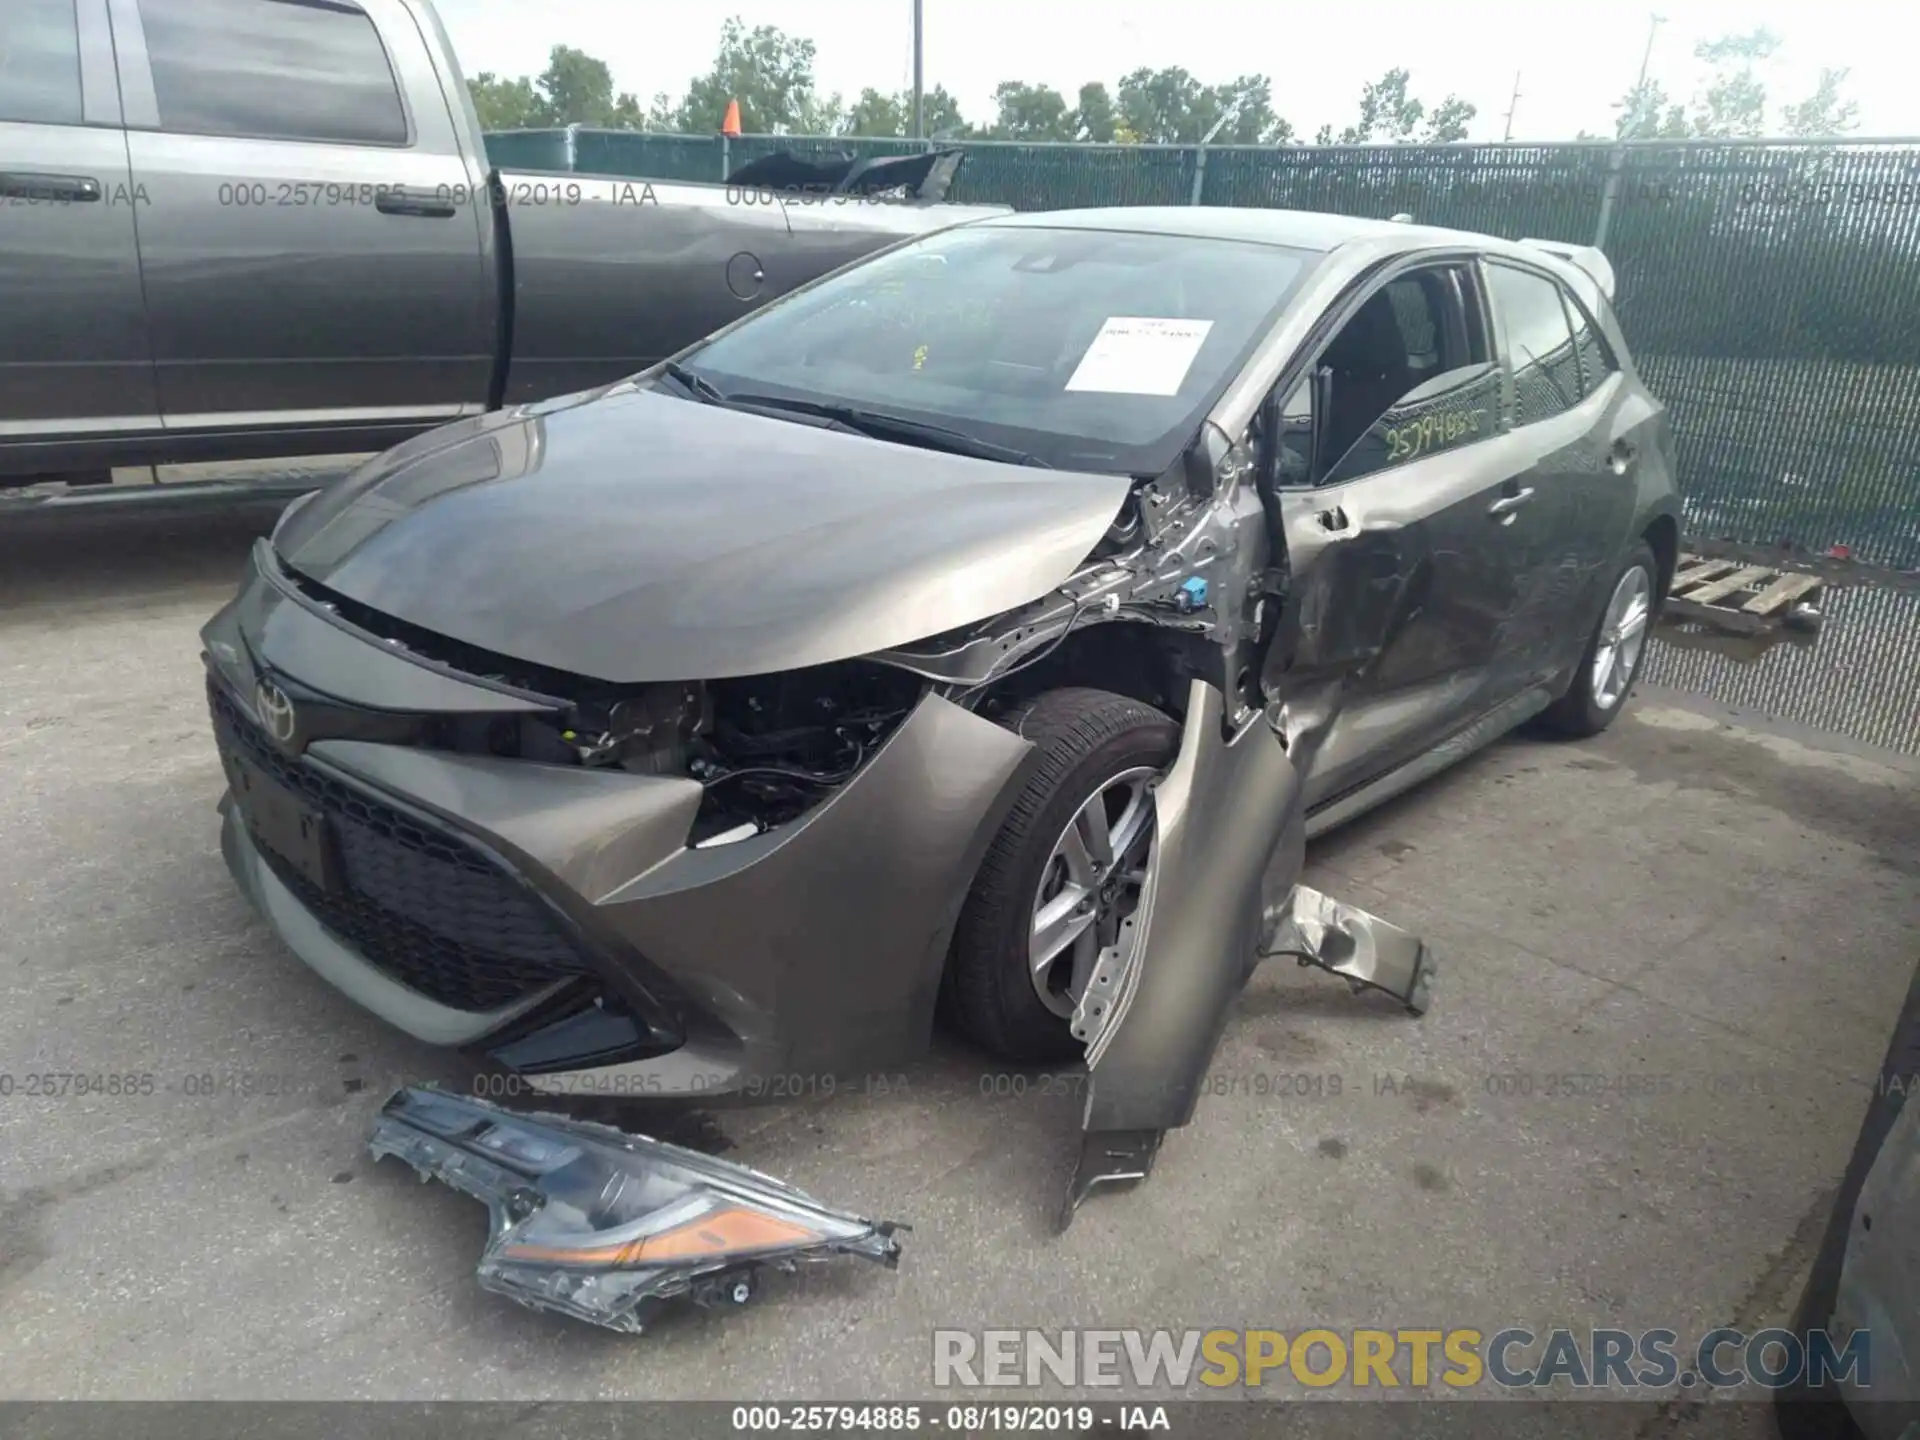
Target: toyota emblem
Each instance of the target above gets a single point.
(276, 711)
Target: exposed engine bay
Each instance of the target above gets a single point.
(766, 748)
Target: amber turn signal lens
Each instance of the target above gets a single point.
(719, 1232)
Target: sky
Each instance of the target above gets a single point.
(1572, 61)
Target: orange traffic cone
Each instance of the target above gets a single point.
(731, 125)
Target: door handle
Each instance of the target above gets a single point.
(1334, 520)
(31, 185)
(395, 202)
(1504, 507)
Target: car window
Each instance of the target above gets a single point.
(1413, 311)
(1406, 376)
(277, 69)
(1457, 407)
(1088, 349)
(1538, 343)
(39, 62)
(1596, 359)
(1286, 450)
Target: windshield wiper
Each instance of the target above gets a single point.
(871, 422)
(701, 388)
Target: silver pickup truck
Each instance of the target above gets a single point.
(232, 229)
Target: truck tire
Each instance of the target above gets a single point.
(1094, 746)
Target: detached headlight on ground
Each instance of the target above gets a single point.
(604, 1226)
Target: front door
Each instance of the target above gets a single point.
(1406, 535)
(314, 252)
(74, 359)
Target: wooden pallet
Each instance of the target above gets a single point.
(1743, 599)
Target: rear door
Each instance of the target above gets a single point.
(313, 251)
(1401, 539)
(1572, 456)
(73, 335)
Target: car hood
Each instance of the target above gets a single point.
(631, 536)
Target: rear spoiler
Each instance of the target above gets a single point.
(924, 177)
(1586, 257)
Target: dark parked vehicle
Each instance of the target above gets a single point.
(1863, 1288)
(243, 228)
(987, 623)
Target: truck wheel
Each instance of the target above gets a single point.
(1064, 871)
(1611, 662)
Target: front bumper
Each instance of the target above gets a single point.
(556, 917)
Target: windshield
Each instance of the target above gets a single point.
(1079, 349)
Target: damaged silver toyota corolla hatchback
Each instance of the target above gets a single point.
(984, 625)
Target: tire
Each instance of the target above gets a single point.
(1086, 740)
(1583, 711)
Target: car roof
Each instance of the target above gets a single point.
(1293, 229)
(1296, 229)
(1366, 240)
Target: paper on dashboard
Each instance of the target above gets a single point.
(1140, 355)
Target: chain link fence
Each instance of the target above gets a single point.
(1771, 291)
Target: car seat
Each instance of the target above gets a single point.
(1369, 363)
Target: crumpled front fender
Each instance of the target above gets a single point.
(1230, 830)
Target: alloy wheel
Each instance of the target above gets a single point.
(1090, 883)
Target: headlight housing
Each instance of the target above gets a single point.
(604, 1226)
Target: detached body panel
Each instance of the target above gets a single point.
(604, 1226)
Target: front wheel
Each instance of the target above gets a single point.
(1611, 662)
(1065, 869)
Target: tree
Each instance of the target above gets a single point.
(1249, 101)
(768, 71)
(1094, 118)
(506, 104)
(663, 115)
(1733, 104)
(1822, 113)
(578, 90)
(940, 113)
(1171, 107)
(819, 116)
(1389, 112)
(882, 115)
(574, 89)
(1647, 114)
(1449, 121)
(1735, 100)
(1029, 112)
(877, 114)
(1161, 106)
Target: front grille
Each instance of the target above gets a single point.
(420, 904)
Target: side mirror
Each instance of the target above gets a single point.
(1322, 414)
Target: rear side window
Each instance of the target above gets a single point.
(1538, 343)
(275, 69)
(1596, 360)
(39, 62)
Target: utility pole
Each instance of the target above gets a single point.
(919, 80)
(1646, 57)
(1512, 105)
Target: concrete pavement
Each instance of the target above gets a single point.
(1670, 960)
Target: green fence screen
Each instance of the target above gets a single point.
(1770, 291)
